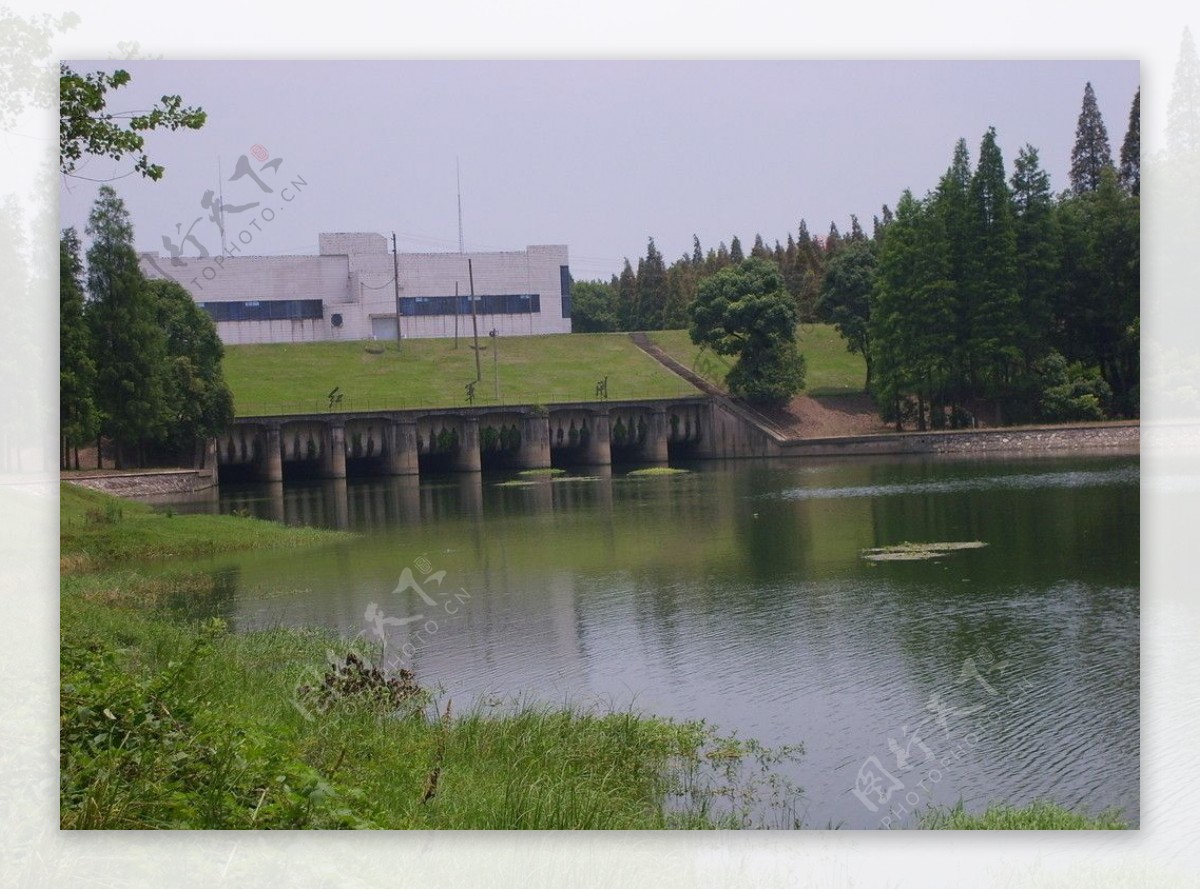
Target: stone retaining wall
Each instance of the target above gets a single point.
(1116, 437)
(136, 485)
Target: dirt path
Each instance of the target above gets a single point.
(820, 417)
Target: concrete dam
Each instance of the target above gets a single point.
(337, 444)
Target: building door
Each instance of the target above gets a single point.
(383, 327)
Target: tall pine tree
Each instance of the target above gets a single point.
(1130, 174)
(1091, 153)
(991, 277)
(130, 348)
(627, 309)
(1038, 252)
(951, 212)
(651, 290)
(78, 419)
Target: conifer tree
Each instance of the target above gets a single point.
(1038, 252)
(627, 299)
(912, 318)
(1130, 174)
(735, 252)
(950, 204)
(1091, 153)
(760, 248)
(833, 240)
(78, 419)
(651, 290)
(130, 348)
(990, 279)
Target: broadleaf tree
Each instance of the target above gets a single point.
(745, 311)
(847, 293)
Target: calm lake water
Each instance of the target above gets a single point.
(738, 593)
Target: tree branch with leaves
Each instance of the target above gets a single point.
(87, 128)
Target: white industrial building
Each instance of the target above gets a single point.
(348, 291)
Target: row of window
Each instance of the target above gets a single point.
(491, 304)
(283, 310)
(263, 310)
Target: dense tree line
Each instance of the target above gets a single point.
(140, 362)
(994, 299)
(989, 299)
(656, 296)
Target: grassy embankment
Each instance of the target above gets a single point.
(292, 378)
(283, 378)
(167, 720)
(831, 369)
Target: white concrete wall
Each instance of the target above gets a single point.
(353, 277)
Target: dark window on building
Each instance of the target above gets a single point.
(263, 310)
(564, 277)
(490, 304)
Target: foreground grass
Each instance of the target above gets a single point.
(1038, 816)
(288, 378)
(168, 720)
(184, 725)
(832, 370)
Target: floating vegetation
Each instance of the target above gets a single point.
(543, 471)
(658, 471)
(908, 551)
(541, 478)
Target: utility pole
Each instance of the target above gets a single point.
(456, 315)
(496, 361)
(396, 281)
(474, 322)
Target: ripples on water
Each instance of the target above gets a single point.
(1076, 479)
(737, 594)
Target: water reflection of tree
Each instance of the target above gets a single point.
(1019, 594)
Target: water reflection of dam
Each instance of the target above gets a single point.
(389, 501)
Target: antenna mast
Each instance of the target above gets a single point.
(458, 181)
(221, 203)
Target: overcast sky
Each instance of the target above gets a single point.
(599, 156)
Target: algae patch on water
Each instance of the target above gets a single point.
(543, 478)
(657, 471)
(909, 551)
